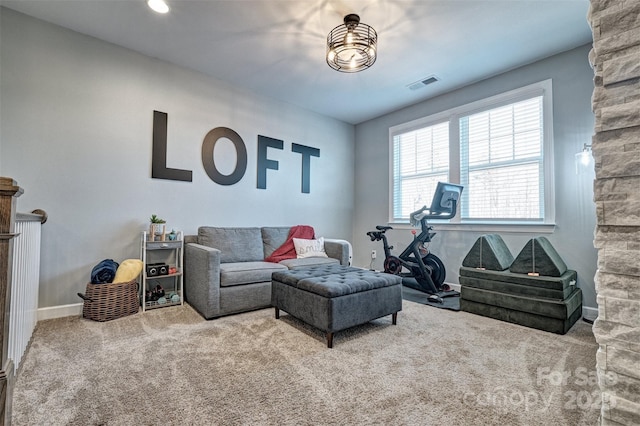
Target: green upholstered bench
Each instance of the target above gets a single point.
(553, 315)
(536, 291)
(521, 284)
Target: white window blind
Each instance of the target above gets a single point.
(501, 162)
(499, 148)
(420, 160)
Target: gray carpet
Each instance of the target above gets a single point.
(170, 367)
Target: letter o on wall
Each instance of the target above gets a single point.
(209, 164)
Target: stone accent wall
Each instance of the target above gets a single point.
(615, 58)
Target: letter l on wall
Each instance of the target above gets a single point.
(159, 169)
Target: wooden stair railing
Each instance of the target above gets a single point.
(9, 192)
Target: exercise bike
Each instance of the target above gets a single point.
(426, 269)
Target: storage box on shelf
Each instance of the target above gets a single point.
(162, 267)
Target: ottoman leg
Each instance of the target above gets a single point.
(329, 340)
(394, 318)
(277, 313)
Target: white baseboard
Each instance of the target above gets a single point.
(59, 311)
(76, 309)
(589, 313)
(455, 287)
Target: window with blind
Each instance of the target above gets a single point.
(420, 160)
(499, 149)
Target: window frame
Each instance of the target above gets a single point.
(543, 88)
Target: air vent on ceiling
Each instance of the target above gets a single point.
(423, 82)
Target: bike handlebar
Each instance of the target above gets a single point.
(419, 216)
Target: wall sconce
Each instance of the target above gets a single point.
(584, 160)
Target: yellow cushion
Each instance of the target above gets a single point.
(128, 271)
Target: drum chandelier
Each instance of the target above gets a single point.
(352, 46)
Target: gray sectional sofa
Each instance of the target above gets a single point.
(225, 271)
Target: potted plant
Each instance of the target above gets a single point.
(157, 225)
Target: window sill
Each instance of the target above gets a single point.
(529, 228)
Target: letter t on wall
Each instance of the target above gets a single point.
(306, 152)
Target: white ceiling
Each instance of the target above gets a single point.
(277, 47)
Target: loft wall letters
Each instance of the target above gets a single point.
(159, 169)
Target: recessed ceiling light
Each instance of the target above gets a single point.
(158, 6)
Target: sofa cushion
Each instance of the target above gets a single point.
(273, 237)
(235, 244)
(238, 273)
(307, 262)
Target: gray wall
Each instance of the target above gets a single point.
(573, 126)
(77, 132)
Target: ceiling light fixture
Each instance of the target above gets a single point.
(353, 46)
(159, 6)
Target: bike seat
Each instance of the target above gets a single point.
(382, 227)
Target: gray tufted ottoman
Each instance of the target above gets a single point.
(335, 297)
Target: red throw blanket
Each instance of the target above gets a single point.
(288, 250)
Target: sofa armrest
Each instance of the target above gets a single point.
(338, 249)
(202, 279)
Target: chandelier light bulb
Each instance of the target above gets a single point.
(348, 39)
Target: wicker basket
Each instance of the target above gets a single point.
(105, 302)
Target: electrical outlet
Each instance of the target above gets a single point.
(373, 254)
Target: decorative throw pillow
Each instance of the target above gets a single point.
(128, 271)
(309, 248)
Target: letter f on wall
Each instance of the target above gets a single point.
(264, 163)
